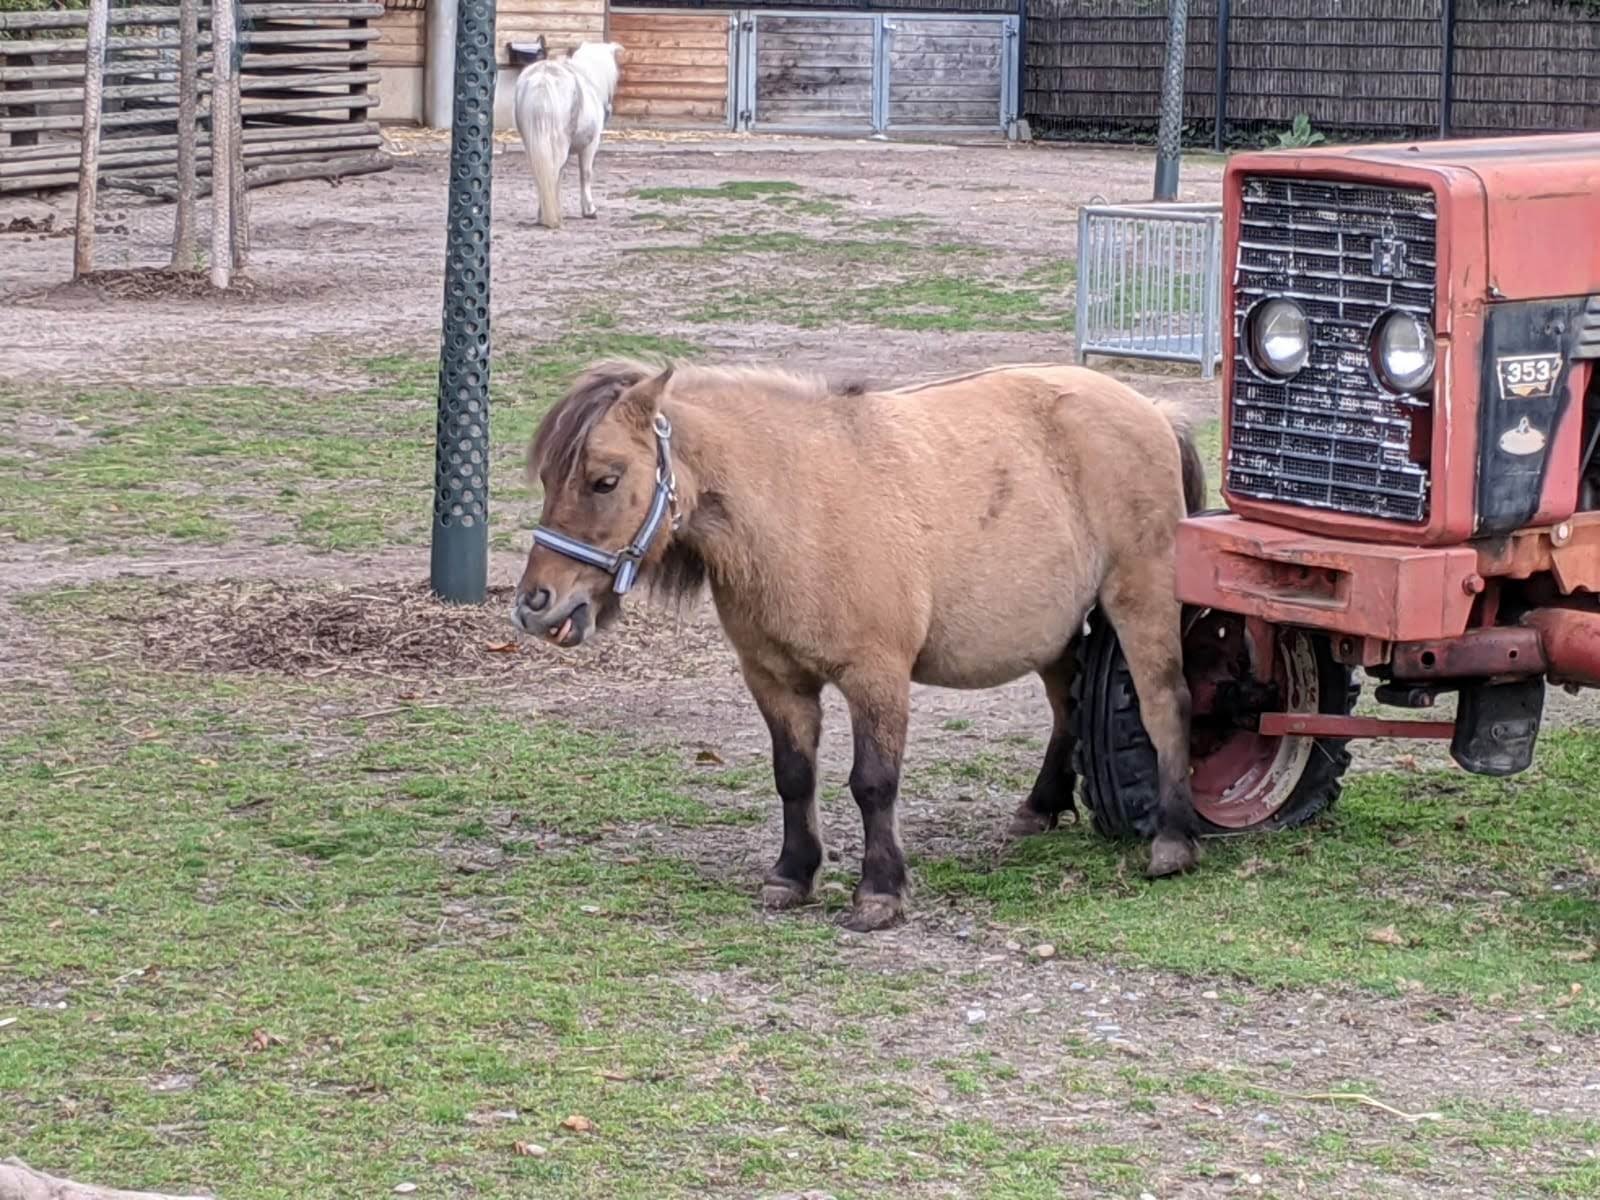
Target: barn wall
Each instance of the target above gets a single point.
(675, 66)
(401, 52)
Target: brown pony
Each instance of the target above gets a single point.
(956, 534)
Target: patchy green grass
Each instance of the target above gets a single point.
(942, 298)
(1446, 882)
(241, 951)
(739, 189)
(336, 470)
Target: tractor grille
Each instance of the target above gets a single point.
(1330, 437)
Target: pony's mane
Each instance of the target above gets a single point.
(559, 443)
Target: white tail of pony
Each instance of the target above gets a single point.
(546, 143)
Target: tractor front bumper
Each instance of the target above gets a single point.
(1359, 589)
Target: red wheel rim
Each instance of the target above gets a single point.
(1239, 778)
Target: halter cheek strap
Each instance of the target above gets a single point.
(623, 565)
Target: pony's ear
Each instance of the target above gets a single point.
(640, 403)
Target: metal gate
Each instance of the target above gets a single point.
(821, 72)
(1150, 282)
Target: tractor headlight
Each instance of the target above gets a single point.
(1280, 337)
(1402, 351)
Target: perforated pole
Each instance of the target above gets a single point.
(1171, 131)
(94, 77)
(460, 558)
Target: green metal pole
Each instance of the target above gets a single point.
(460, 559)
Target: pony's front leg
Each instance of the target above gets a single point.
(586, 176)
(879, 710)
(793, 712)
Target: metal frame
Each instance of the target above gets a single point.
(745, 113)
(1127, 303)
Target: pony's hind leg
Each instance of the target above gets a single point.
(879, 710)
(1052, 792)
(1148, 621)
(586, 176)
(793, 712)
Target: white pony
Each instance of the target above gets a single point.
(561, 105)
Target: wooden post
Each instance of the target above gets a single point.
(238, 202)
(94, 72)
(222, 142)
(183, 248)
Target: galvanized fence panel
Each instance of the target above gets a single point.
(1150, 282)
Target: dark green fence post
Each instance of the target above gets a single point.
(460, 560)
(1170, 134)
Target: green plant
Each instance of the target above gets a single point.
(1298, 136)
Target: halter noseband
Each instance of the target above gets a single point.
(623, 565)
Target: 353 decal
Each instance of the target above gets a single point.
(1528, 376)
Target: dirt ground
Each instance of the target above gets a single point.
(341, 272)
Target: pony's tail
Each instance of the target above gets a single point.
(542, 140)
(1194, 470)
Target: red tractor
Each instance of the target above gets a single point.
(1410, 417)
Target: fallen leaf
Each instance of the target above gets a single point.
(528, 1150)
(4, 1021)
(615, 1076)
(205, 762)
(502, 647)
(404, 1189)
(708, 758)
(578, 1124)
(1406, 762)
(1387, 936)
(1044, 950)
(262, 1040)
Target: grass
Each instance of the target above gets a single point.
(340, 470)
(1444, 882)
(300, 935)
(737, 190)
(238, 954)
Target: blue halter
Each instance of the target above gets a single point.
(623, 565)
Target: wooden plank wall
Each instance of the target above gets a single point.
(944, 72)
(564, 23)
(306, 80)
(814, 71)
(674, 66)
(401, 38)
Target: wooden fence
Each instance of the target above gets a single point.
(305, 72)
(1355, 68)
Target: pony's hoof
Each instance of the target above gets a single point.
(777, 895)
(872, 913)
(1026, 823)
(589, 216)
(1172, 855)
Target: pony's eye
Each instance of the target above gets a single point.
(606, 483)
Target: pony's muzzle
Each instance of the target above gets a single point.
(534, 612)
